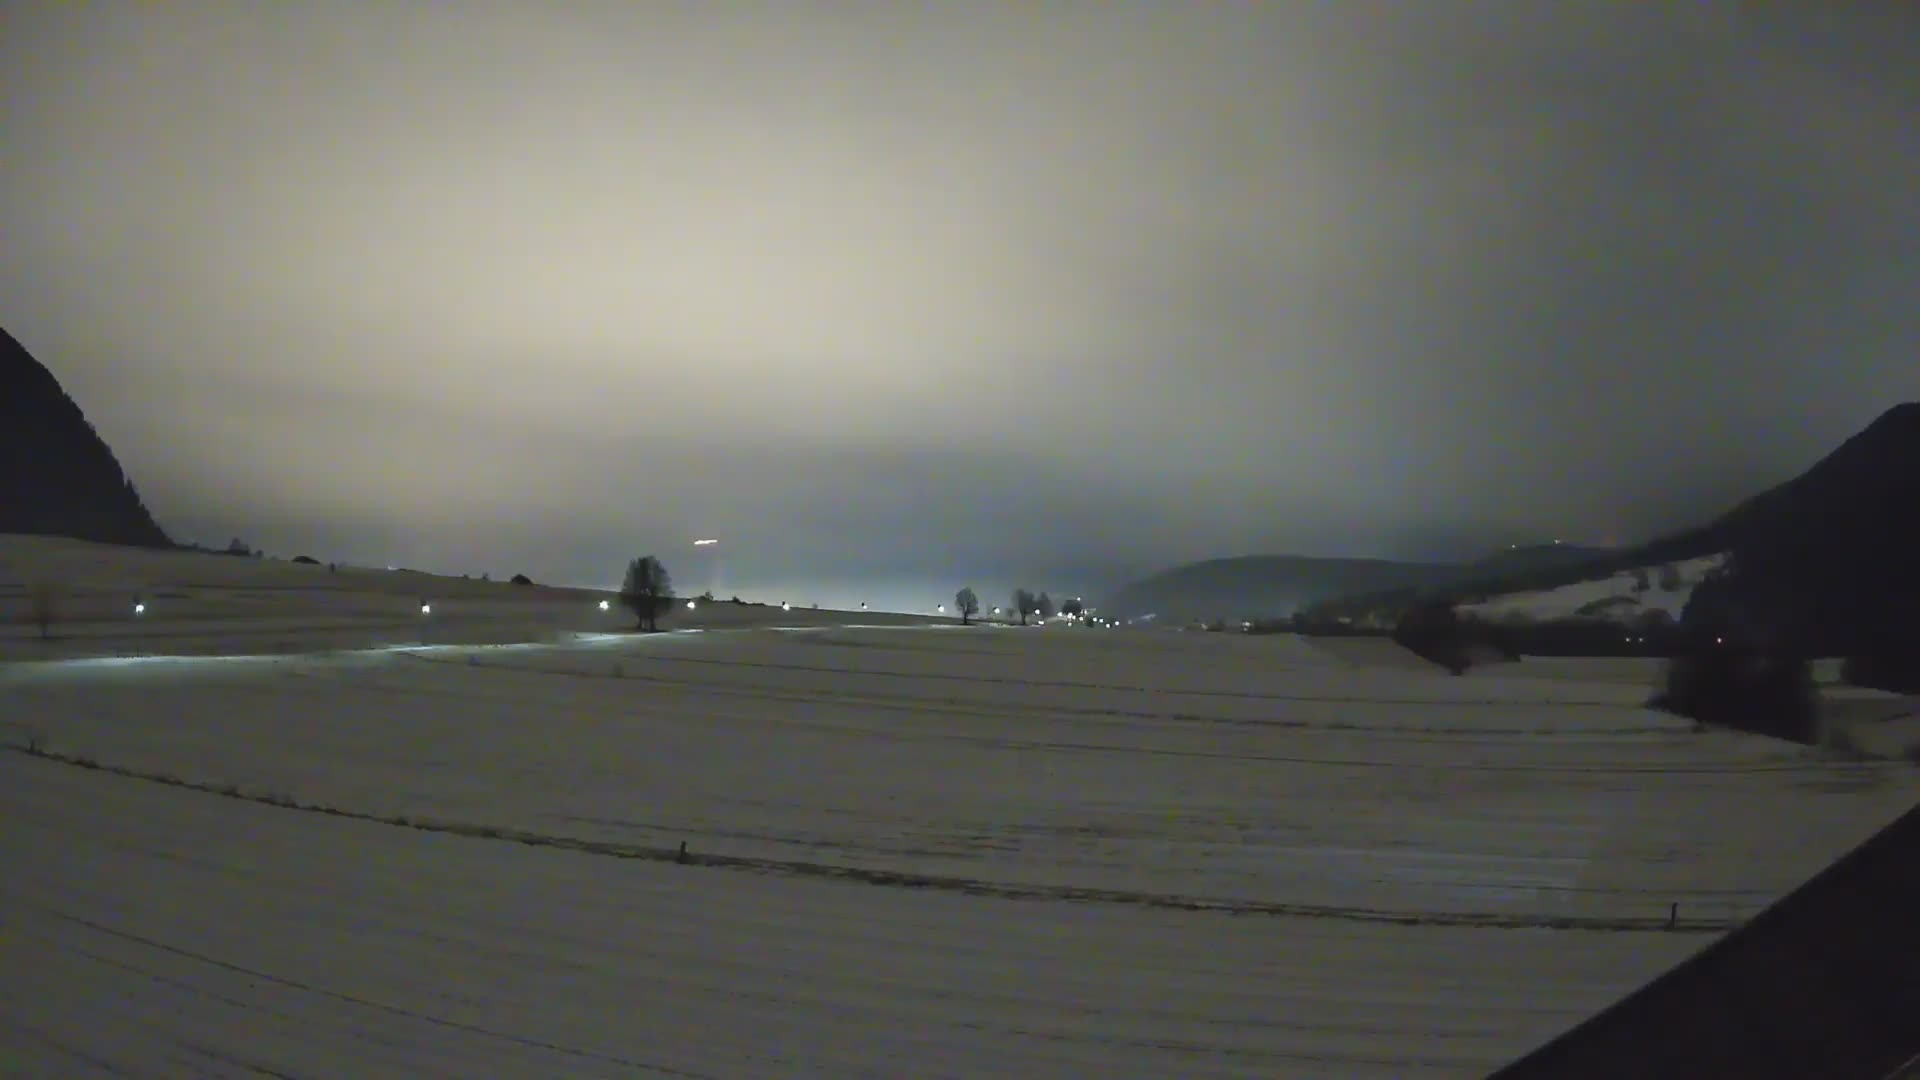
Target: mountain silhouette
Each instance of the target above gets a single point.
(1825, 562)
(57, 476)
(1828, 551)
(1264, 586)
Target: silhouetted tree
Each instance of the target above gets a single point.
(1433, 632)
(1044, 606)
(1024, 604)
(44, 608)
(1073, 608)
(967, 604)
(237, 546)
(1738, 663)
(520, 579)
(646, 591)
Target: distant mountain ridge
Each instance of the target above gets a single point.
(1530, 558)
(1264, 586)
(1273, 586)
(1817, 550)
(57, 476)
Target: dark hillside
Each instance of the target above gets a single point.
(57, 477)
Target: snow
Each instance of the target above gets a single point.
(914, 850)
(1616, 596)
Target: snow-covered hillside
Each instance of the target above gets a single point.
(1624, 597)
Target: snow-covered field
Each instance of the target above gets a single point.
(912, 850)
(1621, 597)
(135, 602)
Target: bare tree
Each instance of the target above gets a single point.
(646, 591)
(967, 604)
(43, 607)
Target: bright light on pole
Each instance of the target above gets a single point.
(603, 605)
(942, 609)
(784, 606)
(691, 605)
(139, 609)
(426, 609)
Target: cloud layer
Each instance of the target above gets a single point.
(962, 291)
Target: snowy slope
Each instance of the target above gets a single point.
(1616, 598)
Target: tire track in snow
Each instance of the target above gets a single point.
(904, 880)
(352, 999)
(974, 708)
(1009, 743)
(1240, 695)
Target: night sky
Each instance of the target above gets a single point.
(892, 298)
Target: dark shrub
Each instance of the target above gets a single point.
(1433, 633)
(521, 579)
(306, 560)
(1722, 680)
(1886, 670)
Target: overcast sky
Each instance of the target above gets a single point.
(894, 297)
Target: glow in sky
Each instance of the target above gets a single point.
(957, 294)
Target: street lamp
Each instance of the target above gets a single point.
(426, 609)
(139, 608)
(604, 606)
